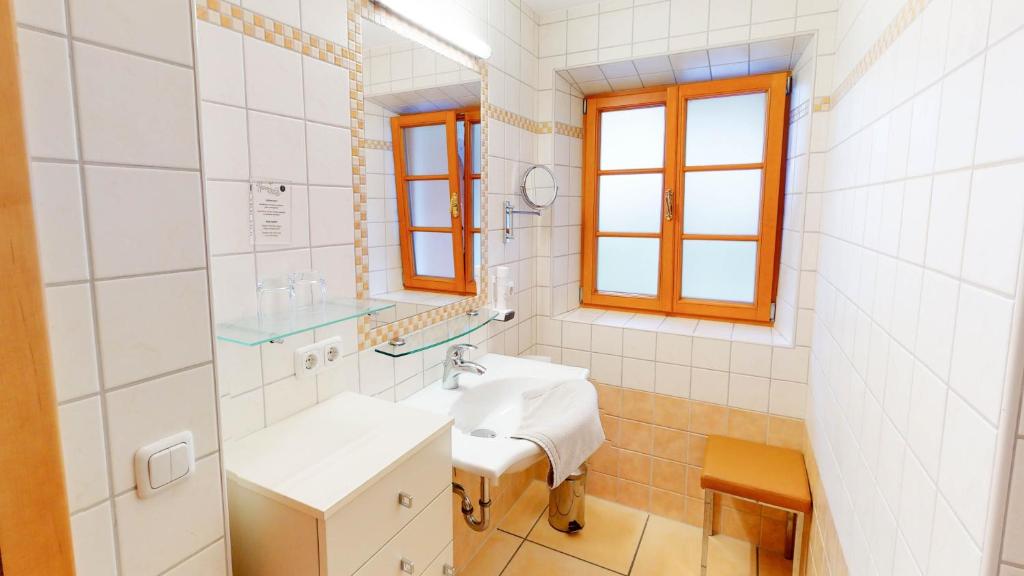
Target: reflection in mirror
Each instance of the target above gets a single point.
(539, 187)
(423, 207)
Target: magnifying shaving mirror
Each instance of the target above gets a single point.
(539, 188)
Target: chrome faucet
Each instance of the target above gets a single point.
(455, 364)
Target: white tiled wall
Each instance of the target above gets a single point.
(921, 218)
(269, 113)
(111, 121)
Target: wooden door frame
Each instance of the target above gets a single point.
(35, 531)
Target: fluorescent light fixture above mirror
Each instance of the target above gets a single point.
(441, 18)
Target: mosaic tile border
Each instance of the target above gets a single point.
(534, 126)
(906, 16)
(378, 145)
(234, 17)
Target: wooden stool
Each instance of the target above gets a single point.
(768, 475)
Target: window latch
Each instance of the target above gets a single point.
(669, 204)
(455, 205)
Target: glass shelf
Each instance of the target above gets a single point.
(438, 334)
(254, 331)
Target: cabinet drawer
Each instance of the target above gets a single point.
(359, 529)
(417, 545)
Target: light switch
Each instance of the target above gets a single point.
(160, 469)
(181, 461)
(164, 463)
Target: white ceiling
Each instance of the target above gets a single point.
(695, 66)
(428, 99)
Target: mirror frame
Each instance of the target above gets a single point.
(369, 333)
(522, 186)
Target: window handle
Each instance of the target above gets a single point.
(455, 205)
(669, 204)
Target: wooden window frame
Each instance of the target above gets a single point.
(410, 279)
(669, 299)
(470, 117)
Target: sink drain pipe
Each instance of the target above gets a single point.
(477, 524)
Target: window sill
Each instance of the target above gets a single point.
(729, 331)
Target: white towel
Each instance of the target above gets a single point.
(562, 420)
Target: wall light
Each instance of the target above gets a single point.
(439, 17)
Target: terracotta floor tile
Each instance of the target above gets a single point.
(672, 548)
(534, 560)
(524, 513)
(610, 537)
(494, 555)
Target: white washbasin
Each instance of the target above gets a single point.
(492, 401)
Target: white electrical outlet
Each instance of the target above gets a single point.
(332, 351)
(309, 360)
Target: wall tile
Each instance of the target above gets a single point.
(277, 148)
(952, 551)
(947, 222)
(220, 65)
(934, 342)
(225, 142)
(134, 110)
(85, 462)
(227, 208)
(273, 78)
(750, 359)
(958, 118)
(995, 221)
(286, 397)
(979, 349)
(329, 155)
(72, 343)
(57, 203)
(729, 13)
(968, 455)
(210, 562)
(748, 392)
(151, 325)
(155, 534)
(326, 93)
(45, 14)
(1001, 124)
(325, 18)
(615, 28)
(331, 213)
(917, 508)
(46, 95)
(143, 221)
(709, 386)
(927, 415)
(163, 30)
(92, 533)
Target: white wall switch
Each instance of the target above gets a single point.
(164, 463)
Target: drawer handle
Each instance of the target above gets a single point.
(405, 499)
(407, 566)
(449, 570)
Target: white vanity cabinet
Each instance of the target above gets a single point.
(353, 485)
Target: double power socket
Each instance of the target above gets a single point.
(318, 357)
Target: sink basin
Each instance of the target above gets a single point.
(487, 409)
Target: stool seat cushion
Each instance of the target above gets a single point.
(767, 474)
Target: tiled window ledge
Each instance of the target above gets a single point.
(746, 333)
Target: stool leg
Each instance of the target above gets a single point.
(709, 508)
(790, 535)
(798, 544)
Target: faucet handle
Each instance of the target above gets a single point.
(455, 352)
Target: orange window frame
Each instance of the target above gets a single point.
(459, 179)
(669, 298)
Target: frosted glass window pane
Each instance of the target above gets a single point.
(460, 142)
(629, 203)
(719, 270)
(727, 202)
(726, 130)
(633, 138)
(429, 203)
(628, 265)
(426, 150)
(476, 254)
(476, 203)
(432, 252)
(475, 142)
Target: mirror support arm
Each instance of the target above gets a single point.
(509, 212)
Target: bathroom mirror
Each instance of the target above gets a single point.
(424, 175)
(539, 187)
